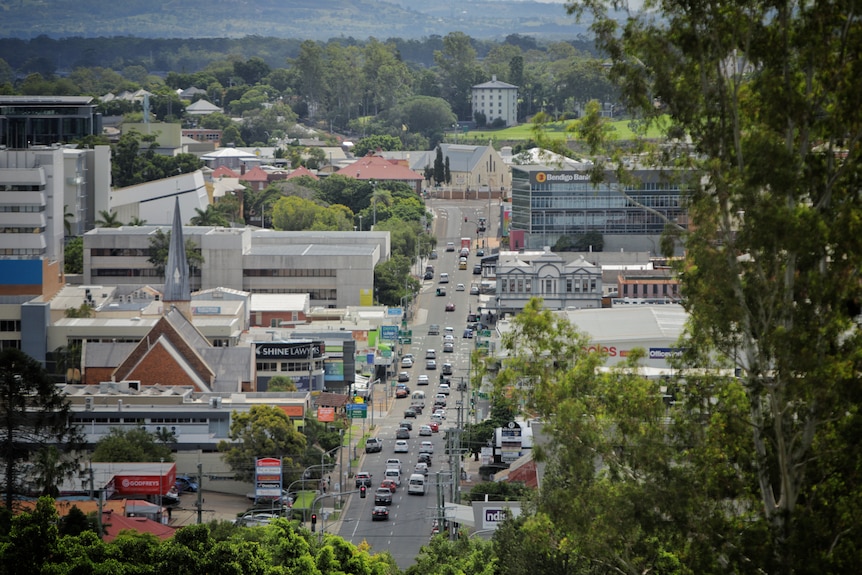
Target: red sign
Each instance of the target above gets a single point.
(145, 484)
(325, 414)
(269, 462)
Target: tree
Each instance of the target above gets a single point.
(34, 414)
(775, 200)
(439, 168)
(376, 142)
(459, 71)
(447, 174)
(135, 444)
(210, 216)
(423, 114)
(294, 213)
(281, 383)
(262, 431)
(108, 220)
(380, 196)
(73, 256)
(160, 243)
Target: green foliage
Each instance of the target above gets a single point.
(262, 431)
(130, 164)
(73, 256)
(108, 220)
(160, 243)
(392, 280)
(499, 491)
(374, 143)
(281, 383)
(209, 216)
(474, 556)
(134, 444)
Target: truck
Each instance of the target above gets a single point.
(465, 243)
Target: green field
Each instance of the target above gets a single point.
(554, 130)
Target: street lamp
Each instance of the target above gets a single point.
(374, 201)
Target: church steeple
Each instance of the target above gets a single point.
(177, 290)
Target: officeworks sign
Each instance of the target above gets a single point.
(490, 514)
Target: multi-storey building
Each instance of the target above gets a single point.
(496, 101)
(27, 121)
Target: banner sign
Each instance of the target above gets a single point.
(280, 350)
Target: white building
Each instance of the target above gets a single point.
(496, 100)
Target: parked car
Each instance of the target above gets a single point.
(474, 290)
(186, 483)
(401, 446)
(383, 496)
(363, 478)
(380, 513)
(373, 445)
(428, 276)
(477, 270)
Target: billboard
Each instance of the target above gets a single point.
(146, 484)
(284, 350)
(267, 472)
(489, 514)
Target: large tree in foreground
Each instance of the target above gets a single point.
(769, 95)
(34, 415)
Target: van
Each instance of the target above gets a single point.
(416, 484)
(418, 395)
(444, 278)
(393, 474)
(462, 265)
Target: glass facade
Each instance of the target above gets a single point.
(549, 204)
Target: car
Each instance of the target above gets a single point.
(390, 485)
(432, 255)
(255, 519)
(477, 270)
(428, 276)
(460, 287)
(448, 338)
(409, 412)
(450, 246)
(449, 331)
(393, 463)
(410, 355)
(433, 329)
(383, 496)
(426, 447)
(440, 400)
(406, 424)
(417, 407)
(186, 483)
(403, 376)
(474, 290)
(425, 430)
(430, 354)
(422, 380)
(450, 306)
(380, 513)
(406, 362)
(480, 253)
(468, 333)
(448, 347)
(441, 292)
(363, 478)
(444, 278)
(436, 418)
(401, 446)
(431, 365)
(401, 393)
(447, 369)
(444, 388)
(440, 412)
(435, 426)
(421, 468)
(402, 433)
(373, 445)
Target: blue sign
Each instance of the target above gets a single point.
(356, 407)
(394, 311)
(389, 332)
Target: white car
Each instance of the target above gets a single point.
(426, 447)
(393, 463)
(422, 380)
(448, 347)
(449, 331)
(459, 287)
(421, 468)
(425, 430)
(406, 362)
(431, 365)
(441, 413)
(444, 388)
(449, 338)
(430, 354)
(401, 446)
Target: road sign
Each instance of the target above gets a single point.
(358, 413)
(485, 333)
(405, 340)
(389, 332)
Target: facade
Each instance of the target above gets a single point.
(496, 101)
(561, 285)
(336, 269)
(548, 204)
(27, 121)
(641, 286)
(378, 169)
(477, 170)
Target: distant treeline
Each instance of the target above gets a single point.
(49, 57)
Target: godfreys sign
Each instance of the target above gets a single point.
(289, 350)
(560, 177)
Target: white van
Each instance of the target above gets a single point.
(416, 484)
(393, 474)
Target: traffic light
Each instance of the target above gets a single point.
(362, 489)
(313, 521)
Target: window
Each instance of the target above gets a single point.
(592, 285)
(549, 286)
(568, 285)
(520, 285)
(527, 284)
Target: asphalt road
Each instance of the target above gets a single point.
(411, 516)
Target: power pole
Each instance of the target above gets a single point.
(200, 501)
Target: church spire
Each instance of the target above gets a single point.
(177, 290)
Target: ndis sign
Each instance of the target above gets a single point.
(491, 514)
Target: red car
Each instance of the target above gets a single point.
(401, 392)
(435, 427)
(389, 484)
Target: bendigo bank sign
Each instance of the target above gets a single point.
(289, 350)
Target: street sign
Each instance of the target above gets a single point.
(394, 311)
(357, 411)
(389, 332)
(485, 333)
(405, 340)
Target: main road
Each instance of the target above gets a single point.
(411, 516)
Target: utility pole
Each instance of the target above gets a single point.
(200, 501)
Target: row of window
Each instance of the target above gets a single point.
(121, 252)
(314, 294)
(490, 97)
(286, 366)
(651, 289)
(22, 251)
(21, 209)
(136, 272)
(33, 230)
(549, 285)
(594, 199)
(289, 273)
(10, 344)
(138, 420)
(10, 325)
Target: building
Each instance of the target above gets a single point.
(549, 204)
(153, 202)
(496, 101)
(647, 286)
(336, 269)
(27, 121)
(378, 169)
(561, 285)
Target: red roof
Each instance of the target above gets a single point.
(224, 172)
(256, 174)
(113, 523)
(301, 171)
(377, 168)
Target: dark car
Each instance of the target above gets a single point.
(403, 376)
(186, 483)
(363, 478)
(428, 276)
(425, 457)
(477, 270)
(480, 253)
(432, 255)
(409, 412)
(450, 306)
(380, 513)
(468, 333)
(402, 433)
(407, 424)
(383, 496)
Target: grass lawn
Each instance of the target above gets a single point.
(554, 130)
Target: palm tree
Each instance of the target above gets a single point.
(209, 217)
(108, 220)
(380, 196)
(257, 203)
(67, 219)
(136, 221)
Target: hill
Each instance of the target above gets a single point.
(303, 19)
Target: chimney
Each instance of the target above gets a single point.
(493, 77)
(242, 169)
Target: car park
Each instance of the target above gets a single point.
(447, 369)
(444, 278)
(425, 430)
(444, 388)
(448, 347)
(406, 362)
(390, 485)
(373, 445)
(450, 306)
(431, 365)
(380, 513)
(402, 433)
(422, 380)
(403, 376)
(459, 287)
(401, 446)
(433, 329)
(426, 447)
(363, 478)
(382, 496)
(406, 424)
(430, 354)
